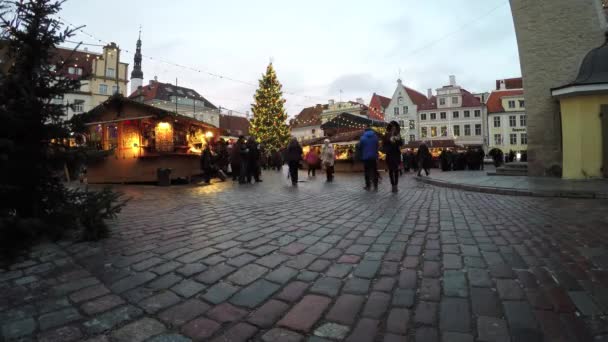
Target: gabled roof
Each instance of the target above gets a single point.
(234, 125)
(416, 97)
(468, 100)
(384, 101)
(310, 116)
(494, 102)
(511, 83)
(165, 91)
(64, 58)
(430, 104)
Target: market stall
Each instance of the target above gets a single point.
(142, 139)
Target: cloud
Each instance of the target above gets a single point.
(355, 83)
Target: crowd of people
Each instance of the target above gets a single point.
(472, 159)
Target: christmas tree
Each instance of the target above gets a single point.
(268, 125)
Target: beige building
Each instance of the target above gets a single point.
(507, 119)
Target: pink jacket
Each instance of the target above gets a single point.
(312, 158)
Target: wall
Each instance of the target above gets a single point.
(553, 38)
(505, 130)
(100, 66)
(389, 114)
(303, 133)
(582, 136)
(450, 122)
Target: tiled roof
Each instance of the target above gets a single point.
(468, 100)
(78, 59)
(310, 116)
(384, 101)
(494, 102)
(234, 125)
(165, 91)
(511, 83)
(416, 96)
(377, 105)
(430, 104)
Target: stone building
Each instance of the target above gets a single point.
(553, 38)
(507, 118)
(307, 124)
(403, 108)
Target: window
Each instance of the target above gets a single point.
(405, 110)
(433, 131)
(78, 106)
(443, 115)
(511, 104)
(512, 121)
(456, 130)
(477, 113)
(396, 110)
(442, 101)
(412, 124)
(75, 71)
(400, 101)
(522, 104)
(444, 131)
(478, 129)
(455, 115)
(401, 123)
(497, 121)
(454, 100)
(513, 139)
(114, 89)
(103, 89)
(467, 113)
(524, 139)
(433, 116)
(467, 130)
(423, 132)
(497, 139)
(313, 131)
(522, 120)
(110, 72)
(423, 116)
(412, 137)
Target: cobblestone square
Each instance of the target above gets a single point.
(321, 262)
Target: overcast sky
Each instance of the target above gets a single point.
(318, 46)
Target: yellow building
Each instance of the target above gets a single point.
(584, 118)
(109, 75)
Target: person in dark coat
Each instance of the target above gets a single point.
(293, 155)
(391, 144)
(222, 158)
(235, 158)
(253, 161)
(481, 157)
(244, 155)
(406, 162)
(424, 159)
(207, 163)
(277, 160)
(368, 145)
(444, 159)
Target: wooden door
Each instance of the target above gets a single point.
(604, 116)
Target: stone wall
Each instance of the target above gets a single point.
(553, 37)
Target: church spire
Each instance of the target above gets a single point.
(137, 76)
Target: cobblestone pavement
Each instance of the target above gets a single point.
(323, 262)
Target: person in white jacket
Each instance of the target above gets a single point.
(327, 158)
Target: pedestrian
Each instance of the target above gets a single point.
(328, 157)
(206, 163)
(244, 156)
(391, 145)
(293, 155)
(235, 158)
(253, 160)
(222, 156)
(444, 160)
(368, 144)
(277, 160)
(482, 156)
(424, 159)
(312, 159)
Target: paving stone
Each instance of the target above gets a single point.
(138, 330)
(19, 328)
(278, 334)
(397, 321)
(200, 329)
(345, 309)
(427, 334)
(430, 289)
(485, 302)
(215, 273)
(254, 294)
(112, 318)
(307, 276)
(184, 312)
(89, 293)
(431, 269)
(67, 288)
(191, 269)
(509, 289)
(501, 270)
(188, 288)
(305, 314)
(403, 298)
(159, 301)
(241, 260)
(377, 304)
(327, 286)
(57, 318)
(54, 304)
(63, 334)
(332, 330)
(479, 277)
(319, 265)
(165, 281)
(226, 312)
(349, 259)
(356, 286)
(367, 269)
(272, 261)
(407, 279)
(282, 275)
(144, 265)
(219, 293)
(132, 282)
(196, 255)
(455, 284)
(364, 331)
(522, 323)
(293, 291)
(456, 337)
(452, 261)
(169, 338)
(491, 329)
(239, 333)
(301, 261)
(584, 303)
(247, 274)
(268, 313)
(455, 315)
(426, 313)
(101, 304)
(384, 284)
(339, 270)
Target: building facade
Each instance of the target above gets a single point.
(454, 113)
(377, 106)
(507, 119)
(352, 107)
(403, 108)
(307, 124)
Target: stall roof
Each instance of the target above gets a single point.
(443, 143)
(348, 120)
(340, 138)
(94, 116)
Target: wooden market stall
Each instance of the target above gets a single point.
(141, 139)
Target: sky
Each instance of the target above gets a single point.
(317, 47)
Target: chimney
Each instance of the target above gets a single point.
(429, 93)
(452, 80)
(331, 102)
(155, 78)
(360, 101)
(399, 81)
(503, 86)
